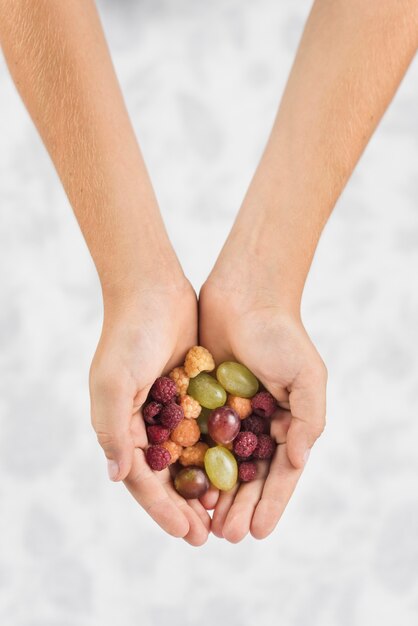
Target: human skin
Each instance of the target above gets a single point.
(350, 61)
(58, 58)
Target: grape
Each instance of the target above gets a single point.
(223, 425)
(202, 420)
(221, 467)
(207, 391)
(191, 482)
(237, 379)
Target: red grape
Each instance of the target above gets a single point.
(191, 482)
(223, 425)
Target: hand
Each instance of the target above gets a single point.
(143, 335)
(274, 345)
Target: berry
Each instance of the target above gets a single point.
(158, 457)
(187, 433)
(191, 482)
(190, 406)
(194, 455)
(157, 434)
(151, 412)
(245, 443)
(164, 390)
(174, 449)
(255, 424)
(247, 471)
(265, 447)
(241, 406)
(171, 415)
(198, 359)
(264, 404)
(179, 376)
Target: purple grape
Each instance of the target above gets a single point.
(191, 482)
(223, 425)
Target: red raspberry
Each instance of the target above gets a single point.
(264, 404)
(171, 415)
(163, 390)
(255, 424)
(245, 444)
(151, 412)
(158, 458)
(157, 434)
(265, 447)
(247, 471)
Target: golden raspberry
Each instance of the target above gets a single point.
(242, 406)
(174, 449)
(179, 376)
(187, 433)
(190, 406)
(194, 455)
(198, 359)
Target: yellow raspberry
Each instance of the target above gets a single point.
(190, 406)
(174, 449)
(242, 406)
(187, 433)
(179, 376)
(198, 359)
(194, 455)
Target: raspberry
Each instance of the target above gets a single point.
(163, 390)
(158, 457)
(190, 406)
(245, 444)
(264, 404)
(174, 450)
(151, 412)
(242, 406)
(247, 471)
(194, 455)
(265, 447)
(179, 376)
(171, 415)
(187, 433)
(157, 434)
(198, 359)
(255, 424)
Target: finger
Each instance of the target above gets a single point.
(278, 488)
(194, 513)
(238, 519)
(223, 505)
(148, 490)
(279, 425)
(307, 401)
(210, 498)
(111, 414)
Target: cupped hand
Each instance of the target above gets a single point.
(274, 345)
(144, 335)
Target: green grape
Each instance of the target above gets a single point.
(202, 420)
(221, 467)
(237, 379)
(207, 391)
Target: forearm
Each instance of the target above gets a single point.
(349, 64)
(58, 58)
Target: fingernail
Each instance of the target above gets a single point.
(306, 456)
(112, 469)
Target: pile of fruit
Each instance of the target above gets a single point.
(214, 425)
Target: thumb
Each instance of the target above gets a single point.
(111, 416)
(307, 400)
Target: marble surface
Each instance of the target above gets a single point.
(202, 81)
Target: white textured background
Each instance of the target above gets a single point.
(202, 81)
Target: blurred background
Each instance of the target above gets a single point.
(202, 82)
